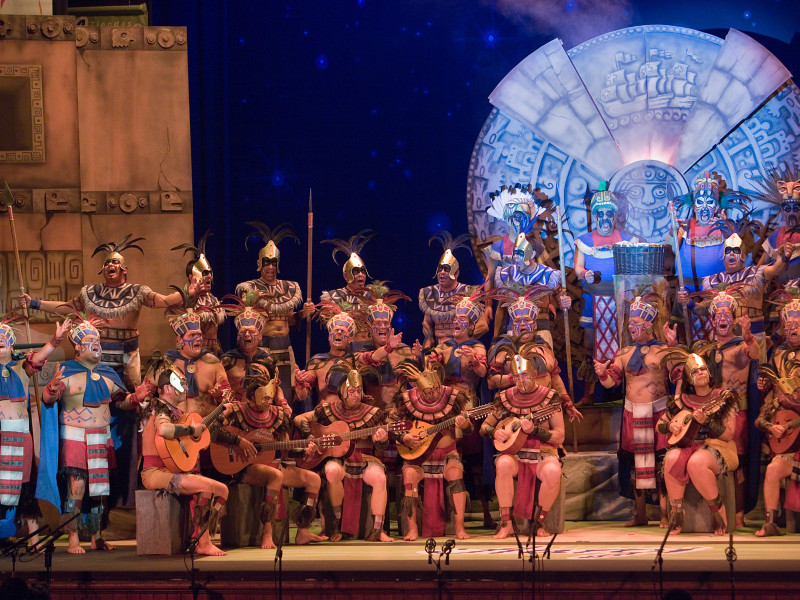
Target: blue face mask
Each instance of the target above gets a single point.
(704, 208)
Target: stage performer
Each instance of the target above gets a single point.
(779, 383)
(85, 386)
(537, 458)
(430, 401)
(207, 383)
(316, 376)
(249, 319)
(712, 450)
(752, 294)
(200, 278)
(281, 298)
(437, 302)
(729, 361)
(594, 266)
(118, 303)
(646, 393)
(523, 311)
(345, 478)
(354, 295)
(524, 272)
(17, 486)
(779, 189)
(211, 495)
(701, 246)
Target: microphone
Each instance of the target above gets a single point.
(430, 546)
(447, 549)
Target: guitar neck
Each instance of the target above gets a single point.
(213, 415)
(283, 445)
(479, 412)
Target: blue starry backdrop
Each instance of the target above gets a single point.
(375, 105)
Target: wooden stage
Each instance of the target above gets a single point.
(590, 560)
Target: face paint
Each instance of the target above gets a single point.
(704, 208)
(604, 218)
(791, 213)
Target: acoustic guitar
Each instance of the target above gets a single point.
(432, 433)
(690, 427)
(513, 425)
(228, 461)
(180, 454)
(788, 442)
(343, 439)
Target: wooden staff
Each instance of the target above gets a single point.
(687, 324)
(8, 198)
(308, 274)
(567, 341)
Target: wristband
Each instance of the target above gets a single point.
(35, 304)
(55, 342)
(182, 430)
(785, 258)
(487, 431)
(749, 340)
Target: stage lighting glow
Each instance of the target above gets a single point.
(489, 38)
(277, 178)
(322, 62)
(570, 6)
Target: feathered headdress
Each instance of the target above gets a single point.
(450, 245)
(7, 328)
(246, 311)
(351, 248)
(199, 266)
(271, 239)
(385, 300)
(354, 376)
(114, 250)
(783, 377)
(431, 376)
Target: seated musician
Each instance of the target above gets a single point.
(537, 458)
(431, 402)
(710, 452)
(779, 381)
(346, 477)
(211, 494)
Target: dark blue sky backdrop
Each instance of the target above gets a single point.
(376, 105)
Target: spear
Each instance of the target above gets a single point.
(8, 200)
(567, 341)
(308, 274)
(687, 324)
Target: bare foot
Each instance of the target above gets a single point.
(385, 537)
(209, 549)
(101, 544)
(461, 533)
(266, 540)
(74, 545)
(413, 533)
(739, 520)
(585, 401)
(336, 536)
(664, 522)
(721, 523)
(636, 521)
(505, 530)
(542, 532)
(304, 536)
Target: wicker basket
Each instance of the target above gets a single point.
(638, 259)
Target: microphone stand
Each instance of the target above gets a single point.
(191, 548)
(546, 553)
(532, 541)
(19, 546)
(48, 542)
(730, 555)
(659, 560)
(279, 554)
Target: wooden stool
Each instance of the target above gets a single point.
(163, 522)
(697, 515)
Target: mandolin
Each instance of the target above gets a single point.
(429, 433)
(690, 427)
(788, 442)
(513, 425)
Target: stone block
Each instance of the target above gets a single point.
(163, 522)
(697, 518)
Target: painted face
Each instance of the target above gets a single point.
(733, 259)
(461, 327)
(699, 376)
(269, 269)
(523, 324)
(191, 344)
(723, 322)
(705, 205)
(204, 286)
(791, 213)
(338, 338)
(523, 381)
(443, 276)
(359, 278)
(89, 347)
(431, 392)
(791, 330)
(604, 219)
(5, 349)
(353, 395)
(380, 331)
(248, 338)
(640, 329)
(113, 272)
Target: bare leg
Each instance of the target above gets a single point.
(412, 475)
(271, 479)
(311, 482)
(375, 477)
(640, 508)
(454, 472)
(549, 473)
(197, 484)
(703, 469)
(506, 468)
(777, 470)
(334, 475)
(675, 489)
(75, 489)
